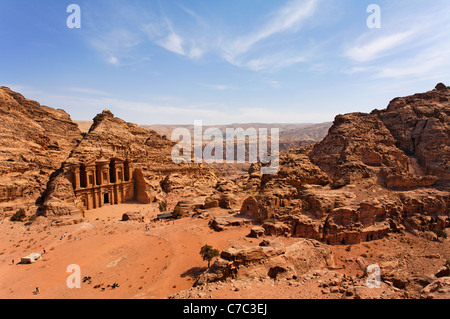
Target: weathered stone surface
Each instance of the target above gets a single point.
(270, 259)
(358, 146)
(420, 125)
(444, 271)
(256, 232)
(152, 171)
(132, 216)
(372, 174)
(35, 140)
(276, 229)
(223, 222)
(297, 169)
(438, 289)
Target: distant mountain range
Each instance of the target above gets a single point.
(305, 132)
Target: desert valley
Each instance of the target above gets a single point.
(369, 189)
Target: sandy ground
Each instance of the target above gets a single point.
(144, 263)
(164, 259)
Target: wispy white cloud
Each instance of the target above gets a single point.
(117, 47)
(195, 37)
(379, 47)
(26, 90)
(212, 113)
(288, 18)
(163, 34)
(432, 61)
(172, 42)
(243, 50)
(264, 115)
(402, 49)
(239, 50)
(113, 60)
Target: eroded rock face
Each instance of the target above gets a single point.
(35, 141)
(372, 174)
(297, 169)
(271, 258)
(438, 289)
(132, 216)
(149, 161)
(359, 146)
(42, 149)
(421, 126)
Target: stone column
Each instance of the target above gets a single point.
(119, 173)
(76, 177)
(113, 197)
(90, 201)
(90, 172)
(98, 200)
(105, 173)
(127, 171)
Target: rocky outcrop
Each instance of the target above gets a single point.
(149, 156)
(35, 141)
(372, 174)
(359, 146)
(296, 169)
(224, 222)
(132, 216)
(420, 126)
(438, 289)
(271, 258)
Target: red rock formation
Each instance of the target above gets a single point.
(270, 258)
(421, 126)
(149, 166)
(371, 175)
(35, 141)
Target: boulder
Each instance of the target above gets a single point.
(132, 216)
(222, 223)
(443, 271)
(269, 259)
(438, 289)
(256, 232)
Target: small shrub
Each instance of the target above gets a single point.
(348, 248)
(162, 206)
(208, 253)
(178, 212)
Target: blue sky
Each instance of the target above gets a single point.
(222, 61)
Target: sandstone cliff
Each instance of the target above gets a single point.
(372, 174)
(35, 140)
(40, 145)
(153, 172)
(420, 125)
